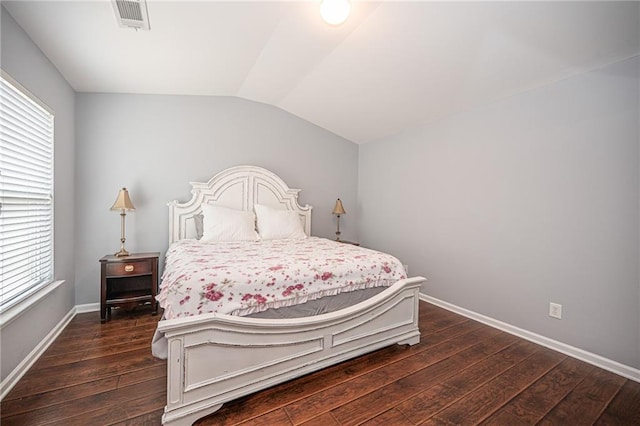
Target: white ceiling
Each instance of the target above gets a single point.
(391, 66)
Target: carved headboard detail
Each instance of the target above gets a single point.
(240, 188)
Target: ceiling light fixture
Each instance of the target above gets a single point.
(335, 12)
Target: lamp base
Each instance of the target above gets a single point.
(122, 253)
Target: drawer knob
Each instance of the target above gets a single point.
(128, 268)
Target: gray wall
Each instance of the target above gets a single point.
(22, 59)
(529, 200)
(156, 145)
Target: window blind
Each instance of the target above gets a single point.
(26, 193)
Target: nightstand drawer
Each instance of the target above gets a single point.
(139, 267)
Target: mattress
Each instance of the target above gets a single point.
(247, 277)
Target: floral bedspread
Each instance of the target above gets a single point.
(240, 278)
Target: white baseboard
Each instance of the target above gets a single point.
(14, 377)
(591, 358)
(87, 307)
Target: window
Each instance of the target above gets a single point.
(26, 193)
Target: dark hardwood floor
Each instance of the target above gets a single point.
(461, 373)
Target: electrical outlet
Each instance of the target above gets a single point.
(555, 310)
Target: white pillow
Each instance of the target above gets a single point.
(274, 224)
(224, 224)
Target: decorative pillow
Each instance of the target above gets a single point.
(274, 224)
(198, 220)
(224, 224)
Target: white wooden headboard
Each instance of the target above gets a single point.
(240, 188)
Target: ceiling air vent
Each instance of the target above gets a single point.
(131, 14)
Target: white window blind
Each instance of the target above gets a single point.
(26, 193)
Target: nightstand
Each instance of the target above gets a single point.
(128, 281)
(349, 242)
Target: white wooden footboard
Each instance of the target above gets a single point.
(216, 358)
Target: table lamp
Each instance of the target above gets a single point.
(338, 210)
(123, 203)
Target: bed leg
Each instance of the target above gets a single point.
(414, 340)
(188, 419)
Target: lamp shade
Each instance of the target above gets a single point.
(339, 209)
(123, 202)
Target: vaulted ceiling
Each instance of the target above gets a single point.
(391, 66)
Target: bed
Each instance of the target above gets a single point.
(257, 340)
